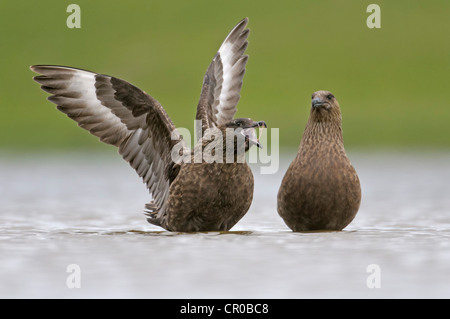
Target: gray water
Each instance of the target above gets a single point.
(87, 210)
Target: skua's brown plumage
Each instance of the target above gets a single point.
(187, 195)
(320, 189)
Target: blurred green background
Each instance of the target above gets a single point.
(392, 83)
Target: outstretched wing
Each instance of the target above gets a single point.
(122, 115)
(223, 79)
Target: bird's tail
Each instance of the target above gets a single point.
(152, 210)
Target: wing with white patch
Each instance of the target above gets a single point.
(223, 80)
(122, 115)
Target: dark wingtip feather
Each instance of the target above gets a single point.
(244, 21)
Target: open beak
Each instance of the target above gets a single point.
(250, 132)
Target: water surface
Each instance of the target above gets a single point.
(87, 209)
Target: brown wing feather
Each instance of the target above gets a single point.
(223, 79)
(119, 114)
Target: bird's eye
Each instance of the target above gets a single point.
(330, 96)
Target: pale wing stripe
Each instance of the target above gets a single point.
(106, 95)
(116, 112)
(233, 64)
(223, 80)
(75, 95)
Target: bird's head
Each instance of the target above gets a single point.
(324, 106)
(248, 129)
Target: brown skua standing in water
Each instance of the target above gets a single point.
(187, 195)
(320, 189)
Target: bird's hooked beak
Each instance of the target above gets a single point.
(317, 102)
(250, 132)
